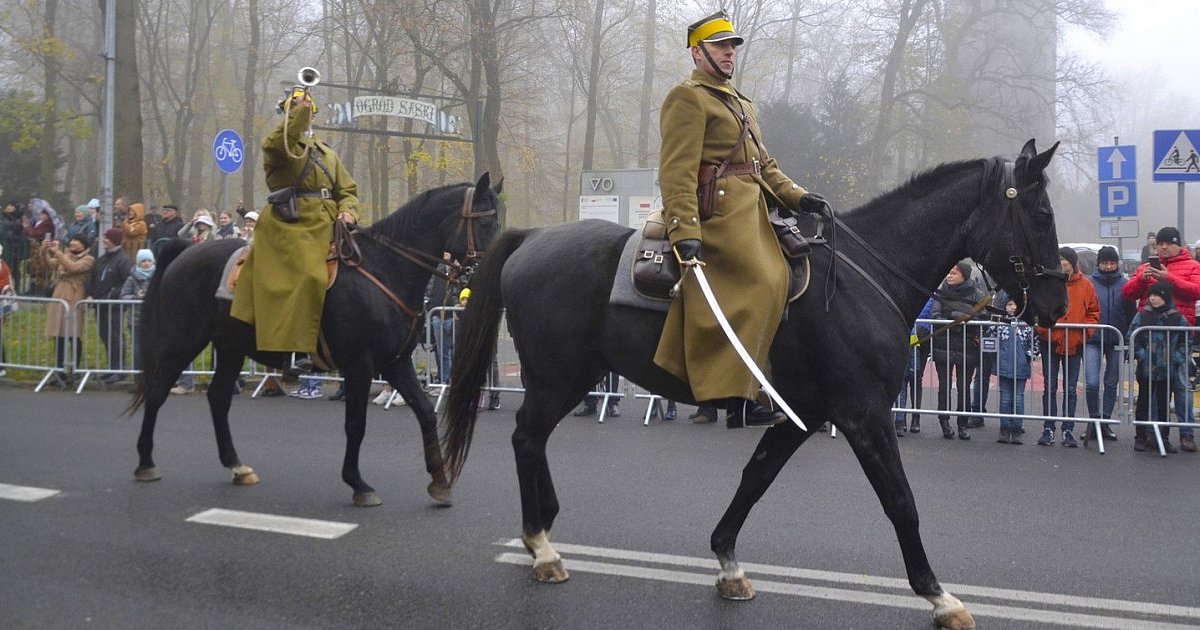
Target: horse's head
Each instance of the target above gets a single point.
(469, 232)
(1016, 240)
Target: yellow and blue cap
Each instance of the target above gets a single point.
(714, 28)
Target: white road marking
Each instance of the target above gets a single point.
(291, 525)
(25, 493)
(907, 600)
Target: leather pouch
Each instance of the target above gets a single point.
(655, 270)
(283, 203)
(787, 230)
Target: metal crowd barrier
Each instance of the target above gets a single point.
(27, 347)
(1177, 382)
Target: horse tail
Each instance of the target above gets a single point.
(150, 334)
(475, 345)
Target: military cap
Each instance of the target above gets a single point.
(714, 28)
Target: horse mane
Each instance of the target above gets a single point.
(923, 182)
(402, 221)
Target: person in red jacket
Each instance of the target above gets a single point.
(1065, 348)
(1175, 265)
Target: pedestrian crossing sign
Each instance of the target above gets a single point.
(1175, 155)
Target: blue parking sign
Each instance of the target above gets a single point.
(228, 150)
(1118, 199)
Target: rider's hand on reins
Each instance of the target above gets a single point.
(688, 252)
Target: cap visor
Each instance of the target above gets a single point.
(724, 36)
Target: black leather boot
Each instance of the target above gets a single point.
(752, 414)
(588, 408)
(915, 425)
(947, 432)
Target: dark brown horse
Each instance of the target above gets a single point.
(840, 362)
(368, 332)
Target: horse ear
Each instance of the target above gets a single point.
(1039, 162)
(1028, 151)
(499, 187)
(481, 186)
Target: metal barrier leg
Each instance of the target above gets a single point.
(1162, 449)
(1098, 434)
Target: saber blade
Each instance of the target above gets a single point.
(741, 350)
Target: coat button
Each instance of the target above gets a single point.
(694, 220)
(720, 193)
(795, 186)
(675, 221)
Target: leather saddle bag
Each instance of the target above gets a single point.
(283, 203)
(787, 230)
(655, 269)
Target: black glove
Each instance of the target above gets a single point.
(812, 203)
(688, 249)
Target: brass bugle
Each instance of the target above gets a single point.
(308, 77)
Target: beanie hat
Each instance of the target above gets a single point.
(144, 254)
(82, 237)
(465, 294)
(251, 216)
(1070, 255)
(1108, 253)
(82, 209)
(114, 235)
(964, 268)
(1164, 290)
(1168, 235)
(94, 203)
(205, 219)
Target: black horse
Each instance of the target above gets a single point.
(370, 328)
(840, 362)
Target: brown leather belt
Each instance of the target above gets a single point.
(750, 168)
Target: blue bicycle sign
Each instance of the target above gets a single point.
(228, 150)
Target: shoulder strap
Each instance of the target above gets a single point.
(316, 158)
(737, 147)
(308, 167)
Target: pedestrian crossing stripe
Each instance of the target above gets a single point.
(291, 525)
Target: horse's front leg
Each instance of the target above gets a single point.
(403, 376)
(774, 450)
(358, 387)
(875, 446)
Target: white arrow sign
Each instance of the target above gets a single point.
(1116, 159)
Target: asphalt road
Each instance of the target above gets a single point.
(1026, 536)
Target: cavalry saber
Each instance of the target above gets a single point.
(741, 350)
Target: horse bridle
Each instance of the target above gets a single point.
(1025, 269)
(421, 259)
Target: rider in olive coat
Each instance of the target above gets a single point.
(701, 124)
(281, 290)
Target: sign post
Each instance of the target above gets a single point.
(1176, 160)
(1117, 174)
(228, 152)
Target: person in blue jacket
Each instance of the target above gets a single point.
(912, 388)
(1102, 352)
(1016, 345)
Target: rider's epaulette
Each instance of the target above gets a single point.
(690, 83)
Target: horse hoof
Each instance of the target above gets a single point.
(440, 491)
(957, 620)
(737, 589)
(367, 499)
(246, 479)
(147, 474)
(551, 572)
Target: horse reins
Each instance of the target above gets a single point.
(347, 251)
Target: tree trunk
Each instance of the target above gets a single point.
(910, 12)
(127, 111)
(647, 106)
(593, 86)
(51, 66)
(249, 100)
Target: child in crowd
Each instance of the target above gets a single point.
(1016, 347)
(1160, 355)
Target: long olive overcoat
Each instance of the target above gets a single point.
(281, 290)
(73, 272)
(743, 263)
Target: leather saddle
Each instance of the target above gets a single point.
(655, 271)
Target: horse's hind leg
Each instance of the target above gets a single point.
(220, 397)
(403, 376)
(875, 446)
(157, 384)
(776, 447)
(536, 419)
